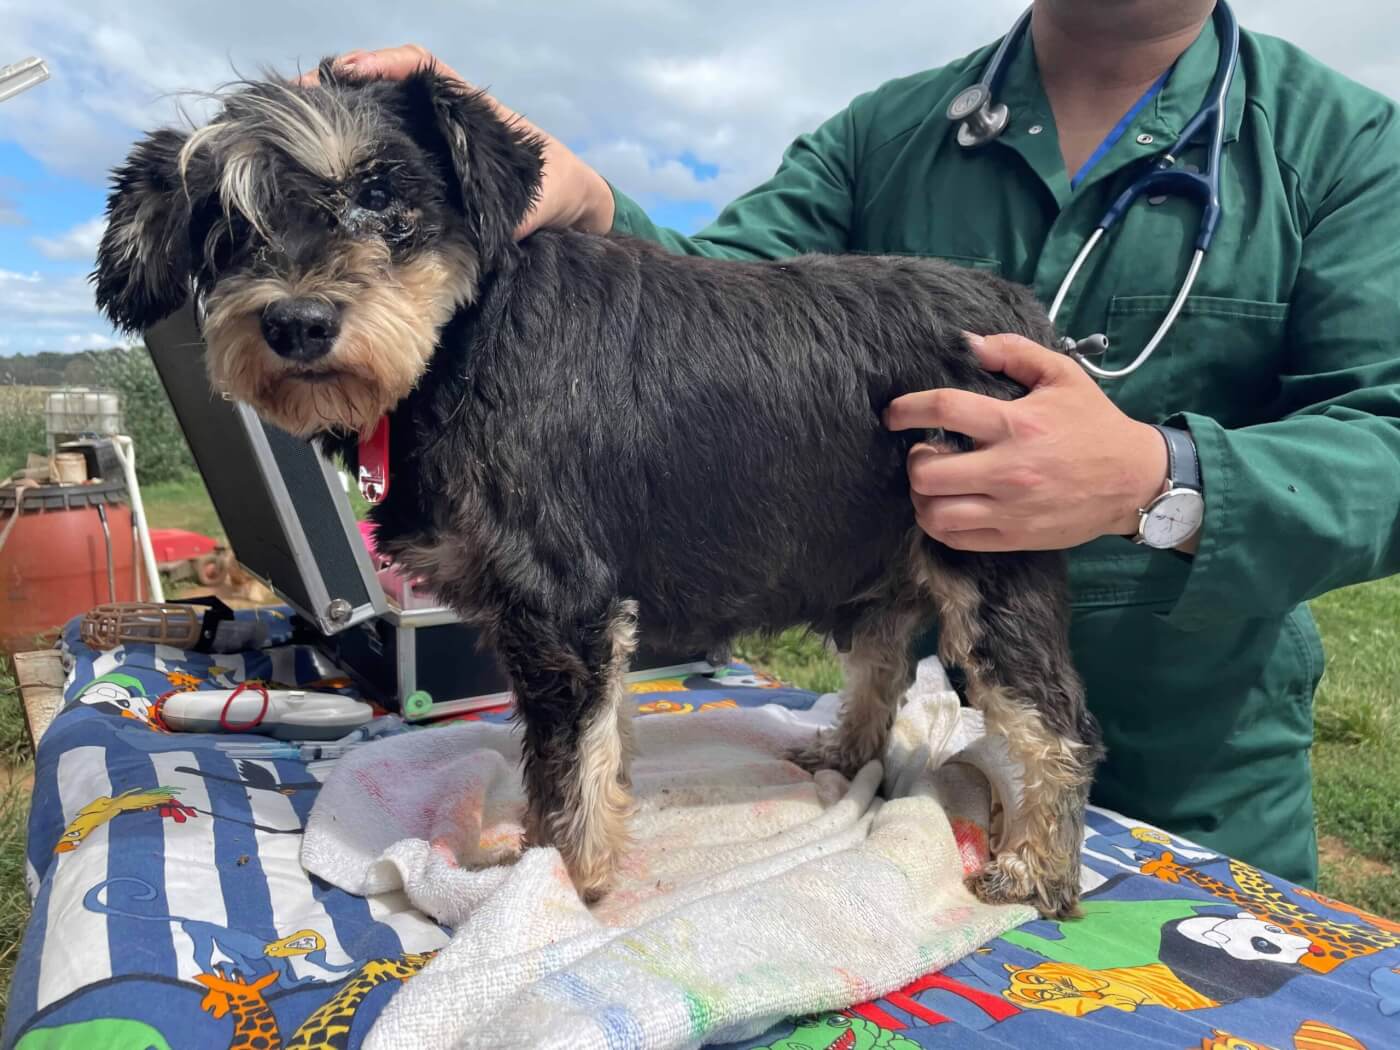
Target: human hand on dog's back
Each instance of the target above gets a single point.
(572, 194)
(1054, 469)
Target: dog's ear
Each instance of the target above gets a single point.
(143, 263)
(495, 165)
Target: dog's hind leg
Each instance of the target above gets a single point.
(878, 672)
(570, 695)
(1004, 620)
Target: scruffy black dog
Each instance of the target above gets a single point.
(587, 431)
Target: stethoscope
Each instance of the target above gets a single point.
(982, 119)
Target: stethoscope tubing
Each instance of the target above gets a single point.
(978, 127)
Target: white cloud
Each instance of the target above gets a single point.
(633, 84)
(47, 312)
(729, 81)
(632, 165)
(713, 83)
(669, 76)
(86, 341)
(78, 244)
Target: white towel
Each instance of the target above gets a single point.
(752, 892)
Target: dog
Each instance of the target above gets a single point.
(588, 435)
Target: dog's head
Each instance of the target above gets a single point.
(327, 233)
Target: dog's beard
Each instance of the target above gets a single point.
(391, 316)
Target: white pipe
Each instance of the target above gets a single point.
(135, 562)
(126, 454)
(21, 76)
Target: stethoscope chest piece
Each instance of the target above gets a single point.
(981, 119)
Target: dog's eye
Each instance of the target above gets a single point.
(374, 196)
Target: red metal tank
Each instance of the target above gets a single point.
(54, 563)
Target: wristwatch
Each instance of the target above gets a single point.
(1176, 514)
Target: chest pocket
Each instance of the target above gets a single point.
(1222, 358)
(971, 262)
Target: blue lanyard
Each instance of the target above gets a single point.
(1118, 130)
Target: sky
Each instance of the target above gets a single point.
(683, 104)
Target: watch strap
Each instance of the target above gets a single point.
(1183, 464)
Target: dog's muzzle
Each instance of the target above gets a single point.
(301, 330)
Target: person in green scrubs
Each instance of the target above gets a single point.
(1283, 369)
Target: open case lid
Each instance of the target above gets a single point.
(281, 503)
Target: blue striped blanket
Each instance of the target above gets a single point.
(171, 909)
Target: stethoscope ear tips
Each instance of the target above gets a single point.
(982, 119)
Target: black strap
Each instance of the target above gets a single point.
(1183, 464)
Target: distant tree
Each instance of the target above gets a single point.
(21, 427)
(162, 453)
(48, 368)
(79, 370)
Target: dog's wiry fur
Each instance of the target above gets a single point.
(588, 433)
(400, 305)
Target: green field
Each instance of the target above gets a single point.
(16, 763)
(1357, 775)
(1356, 772)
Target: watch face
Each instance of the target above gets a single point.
(1173, 518)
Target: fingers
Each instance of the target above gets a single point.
(968, 523)
(979, 540)
(934, 472)
(392, 63)
(1023, 360)
(942, 516)
(981, 418)
(389, 63)
(312, 78)
(964, 523)
(960, 499)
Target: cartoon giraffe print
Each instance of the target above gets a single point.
(1338, 941)
(1370, 918)
(329, 1027)
(254, 1024)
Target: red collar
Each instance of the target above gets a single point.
(374, 463)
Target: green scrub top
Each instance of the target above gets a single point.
(1283, 365)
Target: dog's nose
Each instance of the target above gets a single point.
(300, 329)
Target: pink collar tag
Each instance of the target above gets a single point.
(374, 463)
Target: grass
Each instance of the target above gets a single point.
(795, 656)
(16, 762)
(1355, 771)
(21, 426)
(181, 504)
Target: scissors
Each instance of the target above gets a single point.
(981, 119)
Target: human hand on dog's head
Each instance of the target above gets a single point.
(572, 195)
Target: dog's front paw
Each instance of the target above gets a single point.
(592, 851)
(829, 751)
(1024, 877)
(496, 847)
(593, 878)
